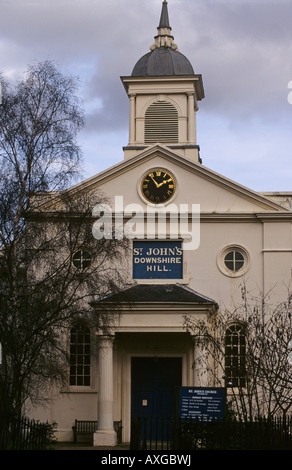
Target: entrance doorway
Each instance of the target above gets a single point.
(155, 383)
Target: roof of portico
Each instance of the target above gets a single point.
(158, 293)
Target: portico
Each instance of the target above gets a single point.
(151, 327)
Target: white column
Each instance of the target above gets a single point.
(191, 118)
(132, 120)
(105, 434)
(200, 362)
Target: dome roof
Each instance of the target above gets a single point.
(164, 58)
(163, 61)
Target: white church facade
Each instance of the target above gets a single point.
(213, 234)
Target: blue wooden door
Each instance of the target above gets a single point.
(155, 384)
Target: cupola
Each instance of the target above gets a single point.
(164, 92)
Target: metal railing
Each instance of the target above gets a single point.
(21, 433)
(175, 434)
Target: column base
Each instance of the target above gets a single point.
(105, 438)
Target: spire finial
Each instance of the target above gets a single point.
(164, 20)
(164, 37)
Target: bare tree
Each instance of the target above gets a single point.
(247, 352)
(50, 264)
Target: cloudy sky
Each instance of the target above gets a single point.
(242, 48)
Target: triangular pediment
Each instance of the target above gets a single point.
(196, 184)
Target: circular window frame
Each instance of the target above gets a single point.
(221, 261)
(81, 268)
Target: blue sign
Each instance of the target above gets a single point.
(202, 403)
(157, 259)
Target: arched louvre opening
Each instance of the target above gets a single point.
(161, 123)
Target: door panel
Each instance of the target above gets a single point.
(154, 384)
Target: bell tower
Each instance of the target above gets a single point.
(163, 92)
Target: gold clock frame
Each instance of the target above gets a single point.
(169, 190)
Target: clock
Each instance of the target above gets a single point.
(158, 186)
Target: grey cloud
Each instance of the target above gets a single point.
(243, 49)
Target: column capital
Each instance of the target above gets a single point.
(106, 336)
(200, 339)
(103, 334)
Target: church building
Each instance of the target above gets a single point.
(198, 236)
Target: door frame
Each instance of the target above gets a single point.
(126, 383)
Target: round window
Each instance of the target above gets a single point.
(233, 261)
(81, 259)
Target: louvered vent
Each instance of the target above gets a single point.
(161, 123)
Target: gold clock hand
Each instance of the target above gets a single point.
(163, 182)
(155, 182)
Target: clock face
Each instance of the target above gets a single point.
(158, 186)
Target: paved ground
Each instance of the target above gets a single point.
(87, 446)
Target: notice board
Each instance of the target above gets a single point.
(202, 403)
